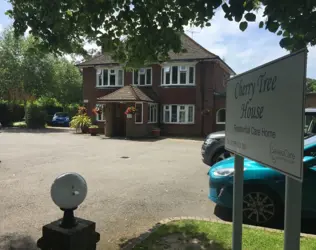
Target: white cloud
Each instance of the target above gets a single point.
(1, 27)
(244, 50)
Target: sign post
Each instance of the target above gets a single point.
(265, 123)
(238, 202)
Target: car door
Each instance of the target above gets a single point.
(309, 183)
(308, 192)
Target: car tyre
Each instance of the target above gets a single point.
(220, 155)
(261, 206)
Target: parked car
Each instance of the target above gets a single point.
(213, 149)
(264, 187)
(60, 119)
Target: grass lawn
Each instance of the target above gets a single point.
(190, 234)
(21, 124)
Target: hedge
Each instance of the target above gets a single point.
(35, 116)
(10, 113)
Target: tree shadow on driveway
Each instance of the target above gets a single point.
(17, 242)
(307, 225)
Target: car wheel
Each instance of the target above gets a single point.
(260, 206)
(221, 154)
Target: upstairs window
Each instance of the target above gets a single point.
(178, 75)
(179, 114)
(142, 77)
(109, 77)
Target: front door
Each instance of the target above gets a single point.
(119, 119)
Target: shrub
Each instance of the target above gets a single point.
(80, 121)
(35, 116)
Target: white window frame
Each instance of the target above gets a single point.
(186, 109)
(102, 114)
(152, 119)
(217, 116)
(181, 68)
(145, 73)
(142, 116)
(116, 71)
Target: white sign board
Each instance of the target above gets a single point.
(265, 114)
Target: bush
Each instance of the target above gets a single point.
(35, 116)
(71, 109)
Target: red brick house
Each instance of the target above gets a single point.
(184, 96)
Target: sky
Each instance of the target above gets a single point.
(242, 51)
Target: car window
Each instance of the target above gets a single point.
(61, 114)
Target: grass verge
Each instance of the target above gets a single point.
(191, 234)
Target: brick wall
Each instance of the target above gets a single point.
(208, 78)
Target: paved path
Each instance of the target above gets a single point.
(125, 196)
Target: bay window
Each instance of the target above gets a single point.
(178, 75)
(179, 114)
(152, 113)
(142, 77)
(110, 77)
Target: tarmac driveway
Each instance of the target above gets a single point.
(131, 184)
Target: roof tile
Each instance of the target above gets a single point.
(127, 93)
(193, 50)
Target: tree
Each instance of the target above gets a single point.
(28, 73)
(138, 32)
(310, 85)
(67, 82)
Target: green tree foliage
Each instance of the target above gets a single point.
(27, 72)
(310, 85)
(138, 31)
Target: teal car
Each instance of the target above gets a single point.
(264, 188)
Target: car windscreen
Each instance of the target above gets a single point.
(61, 114)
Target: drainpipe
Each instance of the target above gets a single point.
(202, 92)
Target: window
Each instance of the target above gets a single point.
(142, 77)
(152, 113)
(100, 117)
(109, 78)
(221, 116)
(139, 113)
(178, 75)
(180, 114)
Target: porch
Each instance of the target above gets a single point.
(118, 123)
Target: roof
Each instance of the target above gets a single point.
(126, 94)
(98, 60)
(310, 111)
(193, 50)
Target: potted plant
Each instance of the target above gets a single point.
(81, 121)
(93, 130)
(130, 111)
(156, 132)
